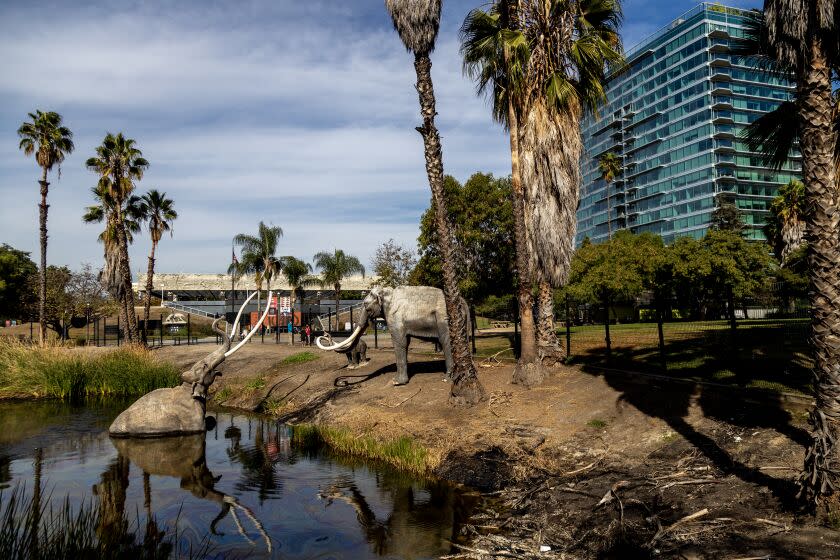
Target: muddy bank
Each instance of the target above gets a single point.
(591, 464)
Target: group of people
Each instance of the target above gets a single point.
(305, 333)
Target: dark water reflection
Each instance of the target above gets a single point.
(243, 488)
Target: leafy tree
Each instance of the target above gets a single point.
(392, 264)
(482, 216)
(51, 142)
(159, 213)
(119, 163)
(259, 256)
(727, 217)
(417, 22)
(15, 269)
(618, 269)
(334, 268)
(498, 307)
(610, 166)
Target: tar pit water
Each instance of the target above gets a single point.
(243, 489)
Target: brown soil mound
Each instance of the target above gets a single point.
(591, 464)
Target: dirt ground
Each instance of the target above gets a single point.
(593, 464)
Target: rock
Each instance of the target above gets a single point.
(163, 412)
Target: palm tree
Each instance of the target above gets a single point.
(259, 256)
(546, 60)
(297, 273)
(417, 22)
(334, 268)
(804, 36)
(495, 55)
(51, 142)
(106, 210)
(119, 164)
(609, 165)
(785, 228)
(158, 211)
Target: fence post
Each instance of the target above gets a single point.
(161, 330)
(516, 347)
(661, 332)
(607, 326)
(189, 329)
(375, 333)
(472, 328)
(568, 329)
(104, 331)
(118, 331)
(329, 320)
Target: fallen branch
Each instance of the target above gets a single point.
(687, 519)
(693, 481)
(773, 523)
(404, 400)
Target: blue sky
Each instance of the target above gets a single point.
(300, 114)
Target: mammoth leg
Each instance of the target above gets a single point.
(401, 353)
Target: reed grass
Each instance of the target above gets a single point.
(403, 453)
(30, 528)
(56, 371)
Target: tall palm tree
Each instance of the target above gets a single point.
(51, 142)
(804, 35)
(785, 227)
(495, 55)
(335, 267)
(547, 61)
(297, 273)
(106, 210)
(417, 22)
(259, 256)
(119, 164)
(609, 165)
(159, 213)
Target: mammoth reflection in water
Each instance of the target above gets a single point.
(183, 458)
(421, 521)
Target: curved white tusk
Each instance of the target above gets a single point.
(255, 329)
(238, 315)
(343, 345)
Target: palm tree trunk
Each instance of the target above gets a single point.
(821, 476)
(528, 346)
(549, 347)
(466, 388)
(150, 272)
(125, 273)
(42, 277)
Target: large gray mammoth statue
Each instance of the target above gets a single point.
(411, 312)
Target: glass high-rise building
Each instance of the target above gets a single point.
(673, 118)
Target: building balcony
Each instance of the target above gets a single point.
(719, 46)
(721, 88)
(724, 131)
(725, 159)
(718, 32)
(720, 60)
(724, 145)
(720, 75)
(604, 125)
(723, 117)
(721, 102)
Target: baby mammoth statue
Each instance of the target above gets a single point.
(357, 355)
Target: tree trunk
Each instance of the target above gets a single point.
(125, 274)
(147, 307)
(607, 338)
(549, 346)
(821, 476)
(466, 389)
(528, 371)
(42, 277)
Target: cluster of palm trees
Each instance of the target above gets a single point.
(259, 257)
(541, 63)
(119, 164)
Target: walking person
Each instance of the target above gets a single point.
(308, 331)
